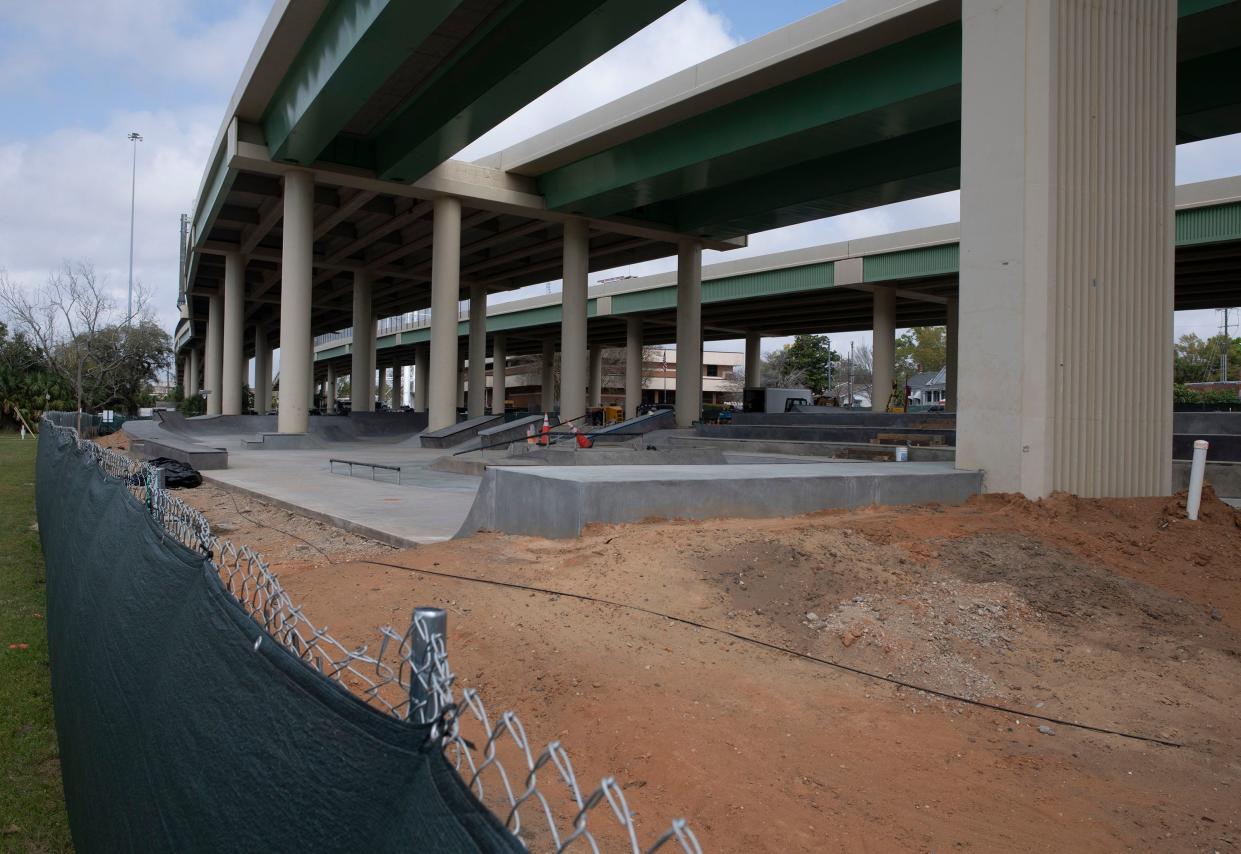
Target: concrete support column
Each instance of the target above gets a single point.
(478, 351)
(950, 355)
(213, 369)
(381, 384)
(362, 369)
(461, 378)
(754, 360)
(193, 386)
(329, 402)
(689, 332)
(185, 374)
(1067, 245)
(549, 375)
(262, 370)
(422, 375)
(296, 279)
(633, 366)
(883, 348)
(312, 388)
(445, 293)
(596, 376)
(573, 355)
(499, 369)
(234, 325)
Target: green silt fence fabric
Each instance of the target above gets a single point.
(177, 734)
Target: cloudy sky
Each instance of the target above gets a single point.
(76, 76)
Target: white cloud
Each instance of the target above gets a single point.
(687, 35)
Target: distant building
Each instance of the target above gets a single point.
(928, 387)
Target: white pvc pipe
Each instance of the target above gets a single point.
(1196, 471)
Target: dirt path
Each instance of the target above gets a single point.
(1117, 613)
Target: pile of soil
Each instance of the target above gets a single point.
(1119, 614)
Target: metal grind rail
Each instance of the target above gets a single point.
(333, 462)
(533, 793)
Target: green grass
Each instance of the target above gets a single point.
(32, 805)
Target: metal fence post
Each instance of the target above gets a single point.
(422, 653)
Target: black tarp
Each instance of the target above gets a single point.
(177, 735)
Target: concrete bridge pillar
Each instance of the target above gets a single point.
(185, 374)
(313, 387)
(633, 366)
(478, 351)
(329, 400)
(445, 294)
(499, 369)
(549, 375)
(596, 375)
(381, 383)
(950, 354)
(753, 359)
(461, 378)
(573, 355)
(422, 374)
(296, 279)
(1067, 245)
(212, 370)
(193, 386)
(883, 348)
(262, 370)
(234, 325)
(689, 332)
(362, 371)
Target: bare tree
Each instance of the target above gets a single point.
(71, 321)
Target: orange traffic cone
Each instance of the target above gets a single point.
(530, 440)
(582, 440)
(547, 429)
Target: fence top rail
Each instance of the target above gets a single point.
(408, 677)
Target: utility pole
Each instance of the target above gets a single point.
(1223, 356)
(134, 138)
(850, 374)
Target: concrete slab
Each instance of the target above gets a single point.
(558, 501)
(426, 507)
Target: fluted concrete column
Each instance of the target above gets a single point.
(445, 294)
(950, 355)
(633, 366)
(883, 348)
(1067, 245)
(499, 371)
(296, 280)
(422, 376)
(754, 360)
(478, 351)
(548, 383)
(329, 401)
(234, 325)
(689, 332)
(573, 356)
(185, 374)
(398, 385)
(381, 384)
(262, 370)
(213, 369)
(596, 375)
(362, 368)
(195, 368)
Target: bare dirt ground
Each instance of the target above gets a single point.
(1120, 614)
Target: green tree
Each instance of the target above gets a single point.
(1198, 361)
(808, 361)
(922, 348)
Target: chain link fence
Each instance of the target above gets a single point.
(405, 675)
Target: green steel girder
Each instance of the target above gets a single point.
(907, 167)
(885, 94)
(526, 49)
(353, 49)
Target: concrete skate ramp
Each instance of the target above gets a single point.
(459, 433)
(359, 426)
(622, 431)
(559, 501)
(150, 439)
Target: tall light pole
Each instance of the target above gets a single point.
(134, 138)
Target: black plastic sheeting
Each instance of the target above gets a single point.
(177, 475)
(176, 734)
